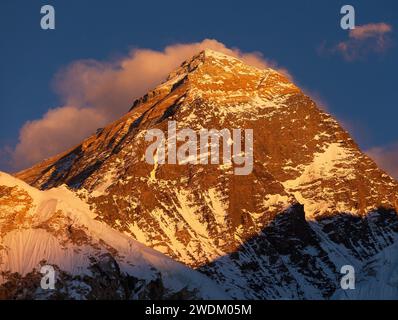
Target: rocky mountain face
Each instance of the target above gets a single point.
(311, 203)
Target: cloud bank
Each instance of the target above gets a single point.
(94, 93)
(56, 131)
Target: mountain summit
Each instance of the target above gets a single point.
(312, 203)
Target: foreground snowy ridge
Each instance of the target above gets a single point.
(57, 227)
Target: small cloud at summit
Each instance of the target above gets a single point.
(364, 40)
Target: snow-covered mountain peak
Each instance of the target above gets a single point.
(308, 177)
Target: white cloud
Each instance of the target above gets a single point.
(372, 38)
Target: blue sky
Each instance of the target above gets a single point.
(360, 92)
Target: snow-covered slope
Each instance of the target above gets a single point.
(55, 227)
(249, 233)
(377, 278)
